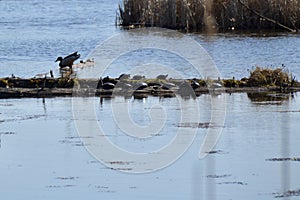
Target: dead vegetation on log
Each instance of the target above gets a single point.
(270, 77)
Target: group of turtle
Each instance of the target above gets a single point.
(137, 82)
(124, 81)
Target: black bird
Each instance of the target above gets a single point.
(68, 60)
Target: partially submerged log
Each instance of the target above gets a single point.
(34, 93)
(153, 91)
(15, 82)
(260, 80)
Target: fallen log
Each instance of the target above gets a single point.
(85, 92)
(260, 80)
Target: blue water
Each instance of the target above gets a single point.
(42, 156)
(34, 33)
(234, 55)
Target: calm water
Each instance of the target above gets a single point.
(34, 33)
(43, 157)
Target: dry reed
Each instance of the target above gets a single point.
(211, 15)
(269, 77)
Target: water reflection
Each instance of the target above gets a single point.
(269, 98)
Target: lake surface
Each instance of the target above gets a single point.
(44, 155)
(34, 33)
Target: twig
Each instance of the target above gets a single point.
(266, 18)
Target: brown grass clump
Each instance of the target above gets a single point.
(211, 15)
(268, 77)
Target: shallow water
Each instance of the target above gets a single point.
(34, 33)
(42, 155)
(234, 55)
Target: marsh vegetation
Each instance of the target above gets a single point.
(211, 15)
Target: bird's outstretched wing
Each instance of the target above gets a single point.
(72, 55)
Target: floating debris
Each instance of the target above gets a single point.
(67, 178)
(104, 189)
(197, 125)
(216, 152)
(194, 125)
(232, 183)
(219, 176)
(73, 143)
(122, 169)
(289, 111)
(23, 118)
(289, 193)
(74, 140)
(53, 186)
(6, 104)
(283, 159)
(119, 163)
(69, 185)
(60, 186)
(7, 133)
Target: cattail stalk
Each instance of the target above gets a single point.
(211, 15)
